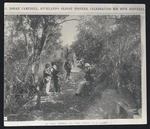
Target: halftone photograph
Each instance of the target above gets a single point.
(74, 67)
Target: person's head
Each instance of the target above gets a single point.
(47, 65)
(87, 66)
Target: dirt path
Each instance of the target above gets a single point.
(67, 106)
(64, 105)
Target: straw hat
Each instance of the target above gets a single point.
(87, 65)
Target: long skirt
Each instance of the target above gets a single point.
(81, 86)
(47, 85)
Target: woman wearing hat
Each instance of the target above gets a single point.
(88, 79)
(47, 78)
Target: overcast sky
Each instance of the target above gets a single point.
(69, 30)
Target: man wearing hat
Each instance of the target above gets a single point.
(54, 72)
(88, 79)
(67, 67)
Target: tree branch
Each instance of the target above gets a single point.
(26, 41)
(68, 20)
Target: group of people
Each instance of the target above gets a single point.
(50, 74)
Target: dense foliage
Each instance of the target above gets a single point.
(30, 42)
(112, 45)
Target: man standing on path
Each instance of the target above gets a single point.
(54, 72)
(67, 67)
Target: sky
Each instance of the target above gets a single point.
(69, 30)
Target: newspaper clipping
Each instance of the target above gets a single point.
(74, 64)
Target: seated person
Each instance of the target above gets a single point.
(87, 81)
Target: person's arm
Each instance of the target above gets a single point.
(65, 65)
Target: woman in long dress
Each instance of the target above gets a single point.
(47, 79)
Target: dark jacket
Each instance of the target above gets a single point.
(54, 73)
(88, 76)
(67, 65)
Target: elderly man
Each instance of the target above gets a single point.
(88, 79)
